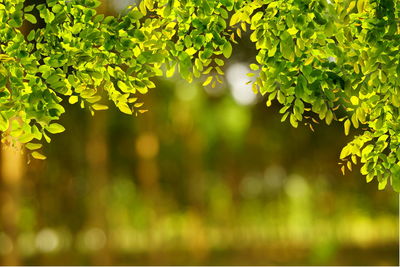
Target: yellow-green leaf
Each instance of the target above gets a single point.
(99, 107)
(227, 50)
(354, 100)
(347, 125)
(208, 80)
(55, 128)
(73, 99)
(125, 108)
(37, 155)
(31, 18)
(33, 146)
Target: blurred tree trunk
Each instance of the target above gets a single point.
(12, 171)
(97, 159)
(147, 149)
(105, 8)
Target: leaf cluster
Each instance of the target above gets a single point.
(322, 60)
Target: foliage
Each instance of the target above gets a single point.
(321, 60)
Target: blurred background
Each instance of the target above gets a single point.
(208, 176)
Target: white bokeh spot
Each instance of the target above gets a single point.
(237, 78)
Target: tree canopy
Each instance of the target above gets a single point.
(322, 60)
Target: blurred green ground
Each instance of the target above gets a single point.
(199, 179)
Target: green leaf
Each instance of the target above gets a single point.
(25, 138)
(4, 123)
(37, 155)
(354, 100)
(124, 88)
(55, 128)
(287, 46)
(227, 50)
(185, 65)
(136, 14)
(31, 35)
(99, 107)
(208, 80)
(293, 121)
(345, 152)
(347, 125)
(33, 146)
(76, 28)
(382, 184)
(395, 178)
(254, 67)
(29, 8)
(31, 18)
(123, 107)
(73, 99)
